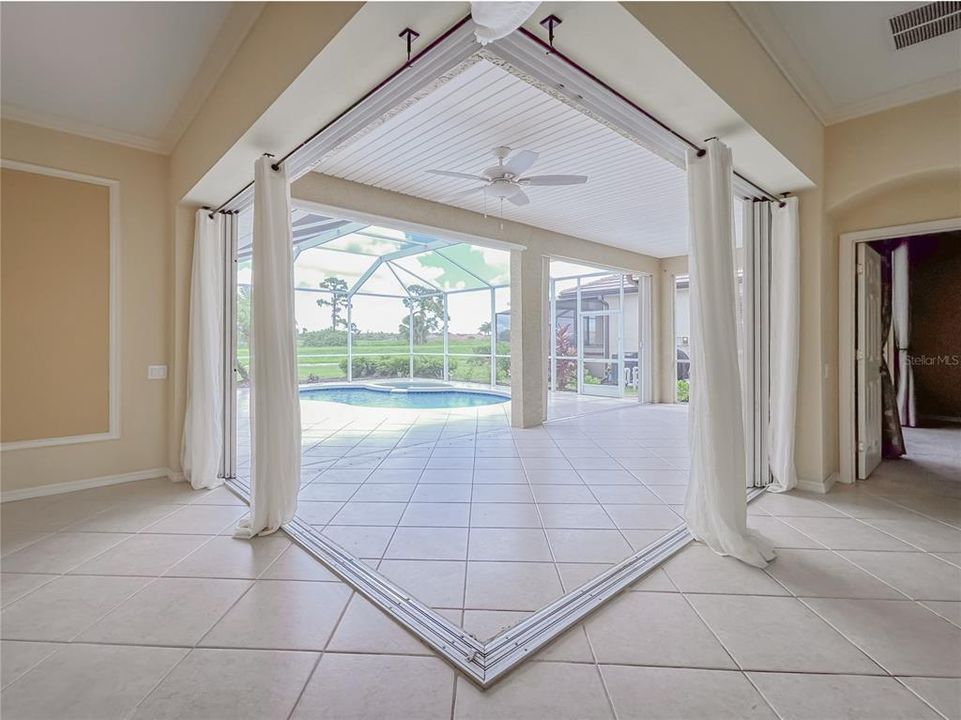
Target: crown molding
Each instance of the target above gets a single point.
(75, 127)
(779, 46)
(940, 85)
(777, 42)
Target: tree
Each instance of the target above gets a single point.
(485, 328)
(243, 315)
(337, 303)
(428, 313)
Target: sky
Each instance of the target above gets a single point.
(342, 258)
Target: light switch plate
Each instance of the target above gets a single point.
(156, 372)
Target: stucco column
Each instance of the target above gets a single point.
(529, 274)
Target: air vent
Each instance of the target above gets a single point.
(925, 22)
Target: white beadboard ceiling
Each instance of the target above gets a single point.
(633, 199)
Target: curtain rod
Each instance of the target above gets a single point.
(551, 50)
(531, 36)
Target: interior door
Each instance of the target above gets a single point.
(868, 354)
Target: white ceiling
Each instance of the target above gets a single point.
(126, 72)
(841, 58)
(633, 198)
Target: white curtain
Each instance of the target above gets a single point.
(716, 504)
(901, 322)
(785, 344)
(274, 401)
(203, 438)
(494, 20)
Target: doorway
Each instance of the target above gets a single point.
(599, 334)
(870, 354)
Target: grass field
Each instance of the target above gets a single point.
(324, 362)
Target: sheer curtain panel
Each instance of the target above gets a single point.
(274, 401)
(785, 339)
(901, 318)
(716, 503)
(494, 20)
(202, 448)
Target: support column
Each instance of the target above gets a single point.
(529, 274)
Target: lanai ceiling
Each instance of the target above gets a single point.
(633, 199)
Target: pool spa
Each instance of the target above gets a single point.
(410, 396)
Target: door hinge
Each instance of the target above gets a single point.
(860, 447)
(859, 354)
(860, 268)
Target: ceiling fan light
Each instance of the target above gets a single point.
(501, 189)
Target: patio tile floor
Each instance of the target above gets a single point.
(468, 499)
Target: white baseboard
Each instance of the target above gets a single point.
(74, 485)
(176, 477)
(818, 486)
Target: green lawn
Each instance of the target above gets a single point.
(311, 353)
(323, 363)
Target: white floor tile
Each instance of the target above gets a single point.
(236, 684)
(815, 697)
(779, 634)
(377, 687)
(17, 657)
(518, 544)
(822, 573)
(698, 569)
(436, 583)
(88, 682)
(14, 586)
(511, 585)
(62, 609)
(281, 615)
(943, 694)
(649, 628)
(901, 636)
(536, 691)
(228, 557)
(918, 575)
(168, 611)
(672, 693)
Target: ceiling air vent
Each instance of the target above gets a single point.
(925, 22)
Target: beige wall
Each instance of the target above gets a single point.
(55, 319)
(895, 167)
(144, 302)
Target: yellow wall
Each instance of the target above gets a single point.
(55, 319)
(144, 302)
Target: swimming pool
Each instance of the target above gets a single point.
(413, 398)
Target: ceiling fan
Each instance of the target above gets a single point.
(506, 179)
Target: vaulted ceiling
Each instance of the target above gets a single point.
(633, 198)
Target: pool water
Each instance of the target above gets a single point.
(411, 400)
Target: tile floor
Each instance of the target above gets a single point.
(133, 601)
(465, 513)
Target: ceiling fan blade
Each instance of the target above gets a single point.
(554, 180)
(463, 176)
(519, 198)
(465, 193)
(520, 162)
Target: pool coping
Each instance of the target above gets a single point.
(390, 390)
